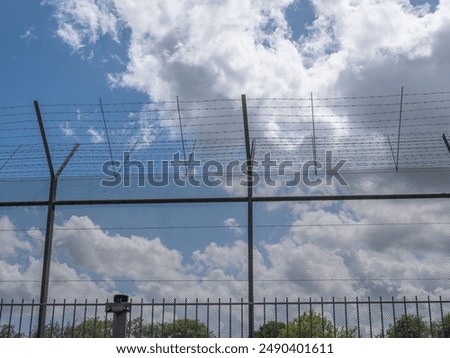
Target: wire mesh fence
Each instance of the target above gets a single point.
(249, 197)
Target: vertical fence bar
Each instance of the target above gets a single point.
(63, 319)
(207, 314)
(185, 318)
(84, 318)
(406, 315)
(242, 318)
(417, 317)
(346, 317)
(74, 317)
(229, 320)
(370, 317)
(442, 315)
(8, 333)
(248, 150)
(276, 316)
(357, 318)
(30, 329)
(334, 317)
(393, 314)
(152, 319)
(382, 317)
(174, 313)
(52, 321)
(162, 316)
(287, 316)
(264, 310)
(95, 317)
(218, 317)
(20, 319)
(105, 326)
(141, 318)
(1, 309)
(429, 316)
(196, 318)
(323, 317)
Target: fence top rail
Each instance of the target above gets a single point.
(230, 302)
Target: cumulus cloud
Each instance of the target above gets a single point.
(96, 251)
(11, 242)
(234, 226)
(196, 49)
(84, 22)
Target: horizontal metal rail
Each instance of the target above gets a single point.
(229, 199)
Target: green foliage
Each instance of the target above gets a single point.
(442, 329)
(90, 328)
(408, 326)
(7, 331)
(51, 330)
(270, 329)
(181, 328)
(308, 325)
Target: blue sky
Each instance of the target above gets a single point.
(71, 53)
(38, 66)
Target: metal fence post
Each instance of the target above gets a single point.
(120, 307)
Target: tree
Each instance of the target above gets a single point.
(271, 329)
(408, 326)
(93, 327)
(311, 324)
(442, 329)
(8, 331)
(181, 328)
(51, 330)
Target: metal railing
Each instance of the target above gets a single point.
(273, 318)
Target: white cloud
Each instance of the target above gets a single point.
(29, 34)
(234, 226)
(96, 135)
(71, 36)
(84, 22)
(67, 129)
(10, 241)
(135, 257)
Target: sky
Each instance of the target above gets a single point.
(138, 57)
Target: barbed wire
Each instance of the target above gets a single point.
(212, 127)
